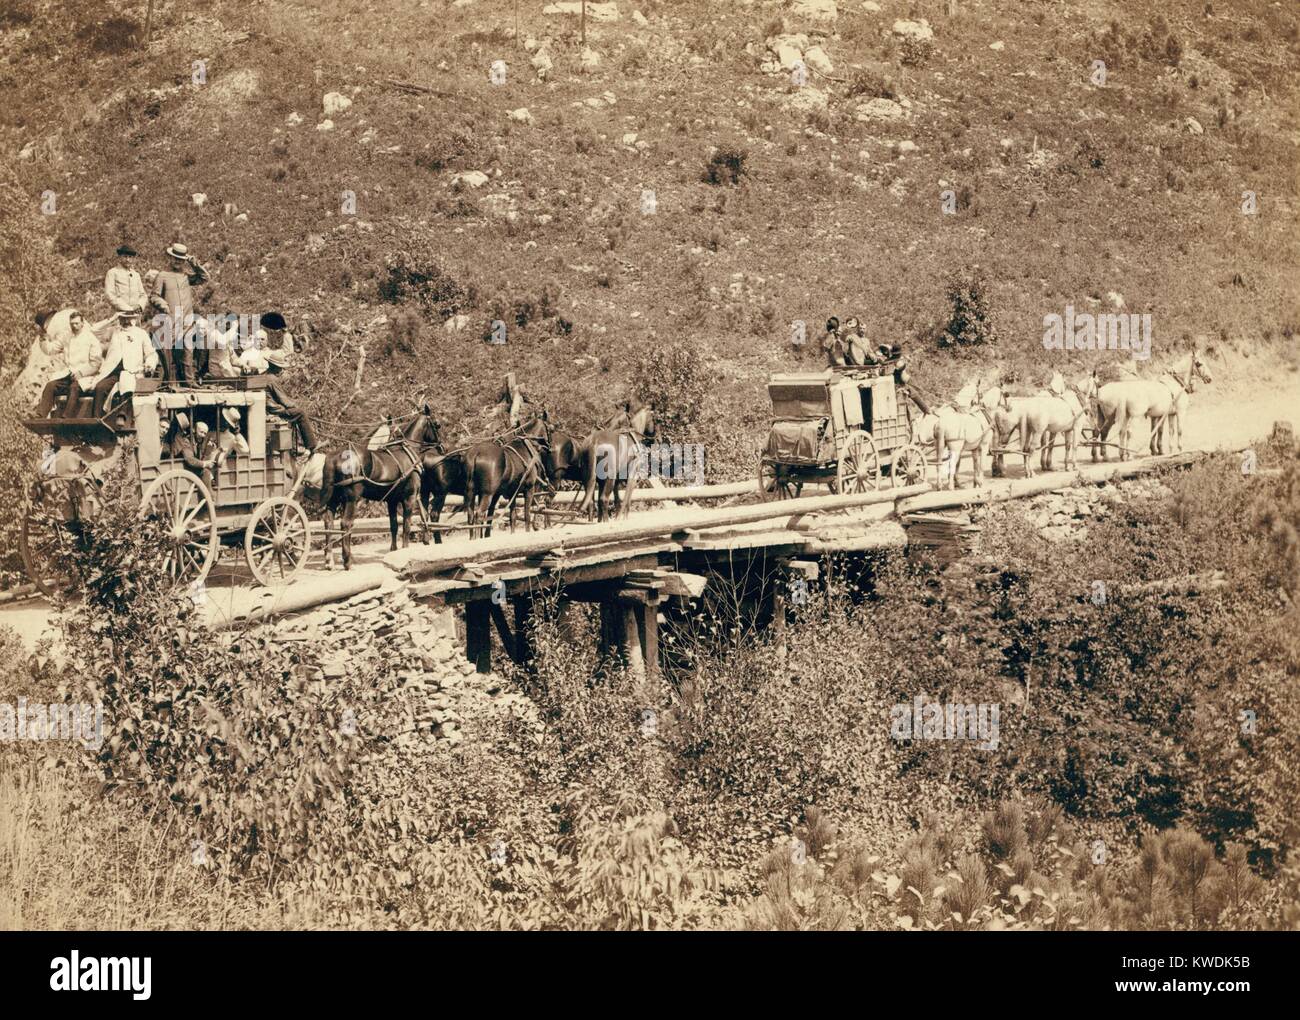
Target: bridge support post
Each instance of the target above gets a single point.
(478, 634)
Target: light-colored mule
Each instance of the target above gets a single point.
(954, 431)
(1120, 404)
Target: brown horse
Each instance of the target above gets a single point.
(441, 474)
(388, 474)
(613, 458)
(513, 468)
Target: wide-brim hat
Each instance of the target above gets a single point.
(183, 420)
(271, 320)
(126, 251)
(278, 359)
(231, 416)
(128, 313)
(178, 251)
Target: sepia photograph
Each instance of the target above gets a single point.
(711, 466)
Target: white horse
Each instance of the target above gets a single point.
(955, 430)
(1160, 400)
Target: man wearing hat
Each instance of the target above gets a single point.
(84, 355)
(258, 360)
(182, 446)
(123, 285)
(130, 355)
(227, 442)
(173, 296)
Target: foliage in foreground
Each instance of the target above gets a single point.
(760, 788)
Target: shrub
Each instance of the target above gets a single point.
(416, 273)
(726, 166)
(111, 36)
(865, 82)
(914, 52)
(674, 380)
(970, 321)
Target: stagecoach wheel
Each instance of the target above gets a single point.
(43, 542)
(772, 485)
(859, 469)
(909, 466)
(183, 504)
(277, 540)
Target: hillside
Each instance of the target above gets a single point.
(522, 201)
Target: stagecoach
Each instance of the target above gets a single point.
(847, 427)
(250, 503)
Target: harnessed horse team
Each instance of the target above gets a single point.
(410, 470)
(1085, 411)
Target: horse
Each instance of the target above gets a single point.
(953, 431)
(613, 456)
(565, 459)
(1037, 420)
(1121, 403)
(513, 467)
(1180, 392)
(441, 474)
(387, 474)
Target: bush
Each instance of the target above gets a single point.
(674, 381)
(20, 453)
(111, 36)
(241, 739)
(868, 83)
(416, 273)
(726, 166)
(914, 52)
(970, 321)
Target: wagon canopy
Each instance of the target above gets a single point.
(804, 395)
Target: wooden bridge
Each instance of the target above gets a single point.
(631, 567)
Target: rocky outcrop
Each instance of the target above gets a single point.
(387, 629)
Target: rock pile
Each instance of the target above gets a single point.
(386, 627)
(1064, 514)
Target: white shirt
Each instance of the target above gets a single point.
(132, 349)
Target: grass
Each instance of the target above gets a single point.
(1068, 192)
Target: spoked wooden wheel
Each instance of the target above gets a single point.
(277, 540)
(45, 543)
(774, 485)
(908, 466)
(182, 503)
(859, 469)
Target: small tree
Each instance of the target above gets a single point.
(970, 319)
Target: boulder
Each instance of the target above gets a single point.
(788, 57)
(336, 103)
(1194, 126)
(640, 19)
(817, 59)
(914, 29)
(589, 59)
(543, 64)
(879, 109)
(521, 115)
(817, 10)
(456, 324)
(199, 199)
(325, 125)
(294, 119)
(805, 100)
(470, 179)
